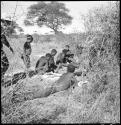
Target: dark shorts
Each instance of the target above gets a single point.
(51, 68)
(26, 59)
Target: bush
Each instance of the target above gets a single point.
(104, 21)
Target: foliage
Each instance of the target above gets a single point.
(53, 15)
(104, 21)
(95, 102)
(10, 27)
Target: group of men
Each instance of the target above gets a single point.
(47, 63)
(44, 64)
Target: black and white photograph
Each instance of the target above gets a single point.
(60, 62)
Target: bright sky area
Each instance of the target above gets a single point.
(76, 8)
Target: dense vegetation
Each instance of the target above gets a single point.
(98, 101)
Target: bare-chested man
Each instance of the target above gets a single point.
(27, 52)
(64, 58)
(43, 64)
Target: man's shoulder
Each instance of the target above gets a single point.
(42, 58)
(26, 44)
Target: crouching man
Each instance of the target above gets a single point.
(42, 65)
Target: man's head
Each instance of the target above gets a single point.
(71, 68)
(64, 51)
(53, 52)
(29, 38)
(67, 47)
(48, 56)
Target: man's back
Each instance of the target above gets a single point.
(60, 58)
(41, 63)
(68, 54)
(65, 81)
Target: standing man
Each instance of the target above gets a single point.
(27, 52)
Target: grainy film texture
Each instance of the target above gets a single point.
(60, 62)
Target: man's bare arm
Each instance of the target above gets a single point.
(78, 73)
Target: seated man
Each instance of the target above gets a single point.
(61, 57)
(52, 65)
(73, 61)
(43, 64)
(62, 60)
(68, 54)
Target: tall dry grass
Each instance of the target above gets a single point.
(96, 102)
